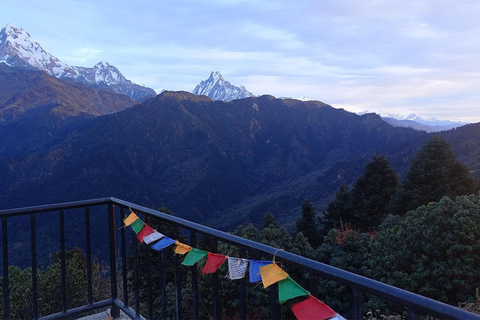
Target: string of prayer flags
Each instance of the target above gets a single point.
(137, 225)
(214, 262)
(254, 270)
(289, 289)
(163, 243)
(193, 257)
(312, 308)
(130, 219)
(236, 268)
(153, 237)
(271, 273)
(182, 248)
(146, 231)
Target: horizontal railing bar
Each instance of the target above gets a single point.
(78, 310)
(129, 312)
(53, 207)
(405, 298)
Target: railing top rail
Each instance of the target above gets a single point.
(408, 299)
(54, 207)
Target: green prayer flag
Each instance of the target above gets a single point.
(289, 289)
(193, 256)
(137, 225)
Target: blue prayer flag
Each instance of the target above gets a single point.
(163, 243)
(254, 270)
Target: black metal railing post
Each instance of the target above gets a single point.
(88, 245)
(162, 280)
(113, 259)
(178, 280)
(149, 284)
(124, 259)
(63, 271)
(193, 243)
(33, 248)
(242, 286)
(357, 304)
(215, 284)
(6, 291)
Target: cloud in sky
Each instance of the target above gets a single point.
(399, 56)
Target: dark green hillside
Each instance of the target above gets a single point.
(206, 159)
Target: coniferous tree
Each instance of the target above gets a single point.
(308, 224)
(433, 173)
(372, 192)
(338, 211)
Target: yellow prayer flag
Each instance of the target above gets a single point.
(182, 248)
(271, 273)
(130, 219)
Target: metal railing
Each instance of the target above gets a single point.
(117, 210)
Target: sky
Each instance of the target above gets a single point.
(398, 56)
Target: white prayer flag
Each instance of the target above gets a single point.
(236, 268)
(153, 237)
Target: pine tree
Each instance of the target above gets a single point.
(338, 211)
(372, 192)
(308, 224)
(433, 173)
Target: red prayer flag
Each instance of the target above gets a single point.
(214, 262)
(312, 308)
(145, 232)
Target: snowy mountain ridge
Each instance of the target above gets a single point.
(217, 88)
(416, 121)
(19, 49)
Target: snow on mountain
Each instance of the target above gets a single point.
(19, 49)
(217, 88)
(417, 122)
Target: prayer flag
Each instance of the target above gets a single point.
(163, 243)
(153, 237)
(312, 308)
(130, 219)
(236, 268)
(289, 289)
(137, 225)
(214, 262)
(271, 273)
(181, 248)
(147, 230)
(254, 271)
(193, 257)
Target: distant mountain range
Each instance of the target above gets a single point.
(217, 88)
(19, 49)
(417, 122)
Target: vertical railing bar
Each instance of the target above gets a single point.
(135, 278)
(275, 308)
(124, 259)
(243, 290)
(6, 291)
(33, 244)
(149, 285)
(313, 284)
(193, 243)
(412, 315)
(115, 313)
(163, 291)
(63, 271)
(88, 243)
(357, 304)
(215, 303)
(178, 280)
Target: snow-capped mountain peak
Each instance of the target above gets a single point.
(19, 49)
(217, 88)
